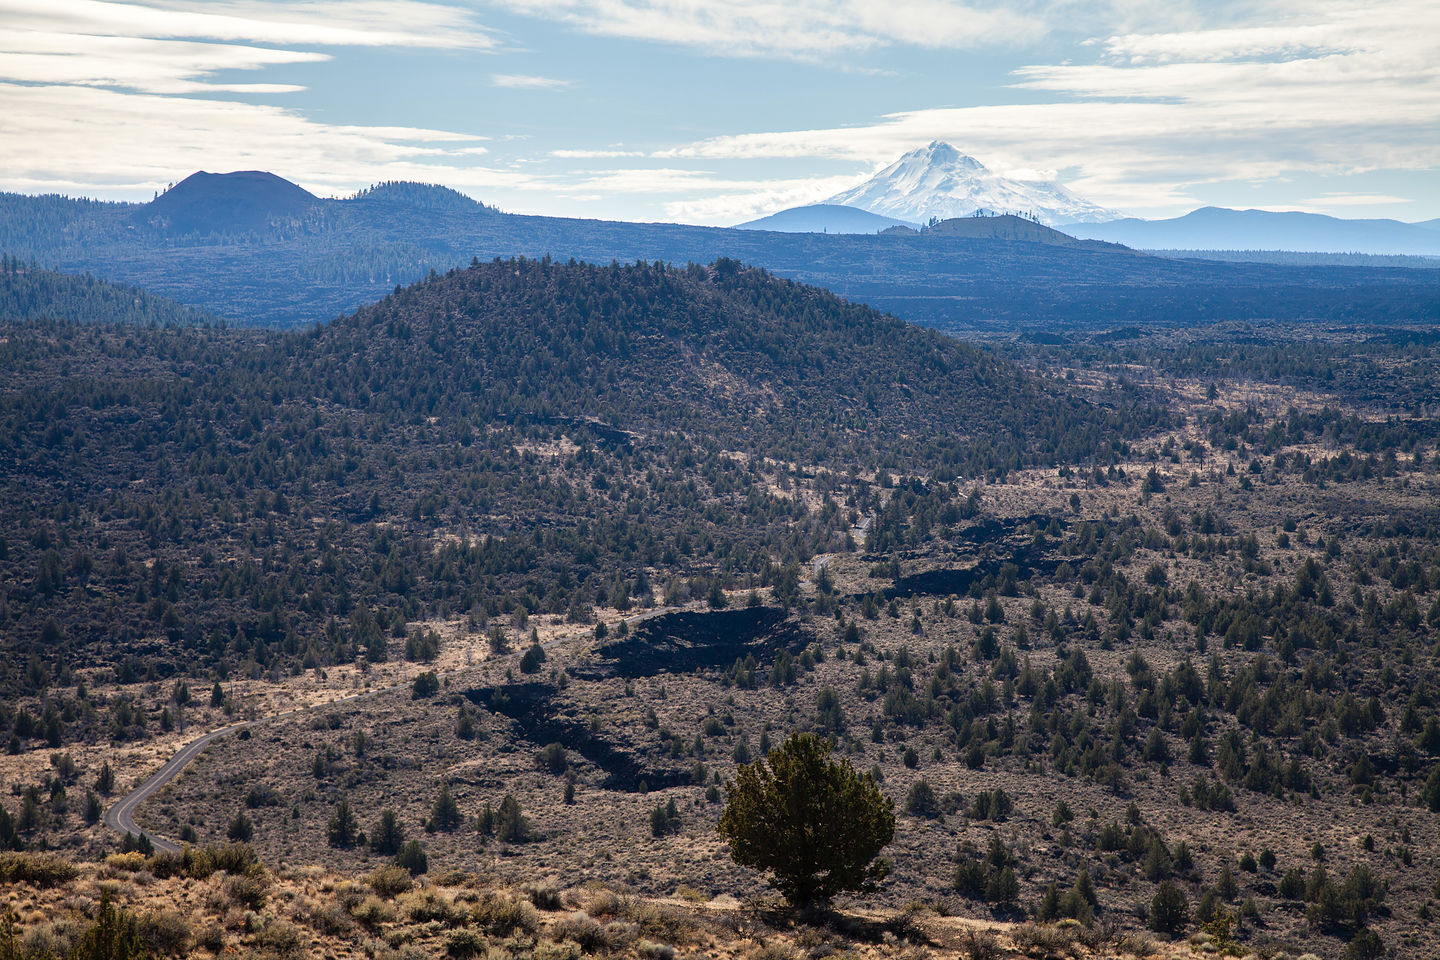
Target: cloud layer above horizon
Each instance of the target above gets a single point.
(717, 112)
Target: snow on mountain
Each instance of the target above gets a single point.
(940, 181)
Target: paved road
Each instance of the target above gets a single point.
(120, 816)
(859, 532)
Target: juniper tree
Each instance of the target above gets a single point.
(814, 824)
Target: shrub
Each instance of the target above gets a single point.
(391, 880)
(557, 951)
(166, 865)
(980, 945)
(280, 939)
(1135, 944)
(331, 918)
(248, 890)
(464, 943)
(650, 950)
(1043, 941)
(779, 802)
(583, 930)
(212, 938)
(37, 870)
(921, 801)
(372, 912)
(124, 862)
(412, 857)
(425, 906)
(501, 915)
(233, 858)
(42, 940)
(544, 895)
(165, 932)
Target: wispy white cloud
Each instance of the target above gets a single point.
(48, 135)
(595, 154)
(1349, 91)
(1163, 100)
(1356, 200)
(138, 63)
(754, 200)
(802, 29)
(171, 47)
(365, 23)
(522, 81)
(156, 72)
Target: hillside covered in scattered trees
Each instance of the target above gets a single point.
(29, 293)
(260, 251)
(521, 436)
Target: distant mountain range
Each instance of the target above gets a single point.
(256, 249)
(1216, 228)
(939, 182)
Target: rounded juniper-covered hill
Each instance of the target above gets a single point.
(761, 364)
(238, 202)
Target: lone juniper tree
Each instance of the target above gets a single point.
(813, 823)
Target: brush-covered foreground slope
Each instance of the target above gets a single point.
(516, 437)
(221, 901)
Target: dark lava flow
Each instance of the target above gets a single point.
(690, 641)
(544, 720)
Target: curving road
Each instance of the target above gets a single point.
(120, 816)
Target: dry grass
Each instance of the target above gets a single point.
(312, 913)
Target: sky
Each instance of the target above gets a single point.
(718, 111)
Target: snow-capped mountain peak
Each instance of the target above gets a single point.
(938, 180)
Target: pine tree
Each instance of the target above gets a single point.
(510, 824)
(387, 834)
(340, 831)
(445, 812)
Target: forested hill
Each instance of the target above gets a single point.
(258, 258)
(517, 436)
(725, 351)
(28, 293)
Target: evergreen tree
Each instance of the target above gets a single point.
(779, 804)
(510, 823)
(1169, 909)
(388, 833)
(444, 812)
(340, 830)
